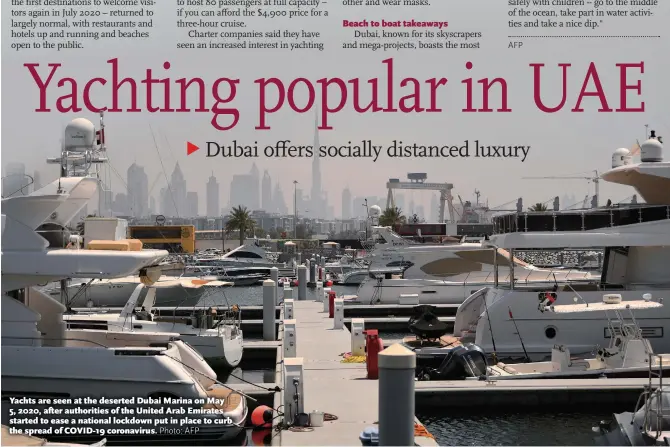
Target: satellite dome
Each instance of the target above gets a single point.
(652, 149)
(79, 135)
(621, 157)
(375, 211)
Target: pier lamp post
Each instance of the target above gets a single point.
(367, 221)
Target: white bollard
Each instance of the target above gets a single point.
(338, 320)
(319, 291)
(302, 283)
(358, 336)
(288, 293)
(313, 272)
(326, 304)
(288, 309)
(269, 309)
(274, 274)
(290, 337)
(294, 395)
(396, 396)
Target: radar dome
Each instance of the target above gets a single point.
(621, 157)
(652, 149)
(375, 211)
(79, 135)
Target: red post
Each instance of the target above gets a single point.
(373, 346)
(331, 304)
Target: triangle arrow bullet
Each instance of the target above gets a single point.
(190, 148)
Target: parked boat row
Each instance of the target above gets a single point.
(48, 351)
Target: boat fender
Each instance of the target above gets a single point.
(261, 416)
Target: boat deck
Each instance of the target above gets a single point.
(331, 386)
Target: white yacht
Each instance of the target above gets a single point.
(628, 354)
(42, 359)
(177, 291)
(636, 239)
(446, 274)
(247, 255)
(218, 338)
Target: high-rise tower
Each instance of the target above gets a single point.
(316, 196)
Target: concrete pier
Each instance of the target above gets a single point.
(331, 386)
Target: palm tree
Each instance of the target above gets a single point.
(538, 207)
(241, 221)
(392, 217)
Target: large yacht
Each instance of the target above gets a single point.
(447, 273)
(41, 358)
(636, 239)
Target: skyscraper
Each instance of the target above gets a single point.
(266, 194)
(174, 197)
(317, 205)
(191, 204)
(138, 191)
(213, 204)
(346, 203)
(255, 188)
(15, 182)
(279, 201)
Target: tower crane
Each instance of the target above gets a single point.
(595, 179)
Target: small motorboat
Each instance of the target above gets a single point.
(247, 280)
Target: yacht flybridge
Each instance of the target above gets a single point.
(636, 239)
(40, 357)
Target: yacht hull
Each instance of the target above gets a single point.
(218, 351)
(507, 321)
(429, 291)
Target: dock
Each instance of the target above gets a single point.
(340, 389)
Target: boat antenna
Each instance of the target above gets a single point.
(493, 340)
(519, 334)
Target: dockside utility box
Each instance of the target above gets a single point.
(104, 229)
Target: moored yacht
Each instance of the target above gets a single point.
(448, 274)
(218, 338)
(184, 291)
(41, 359)
(636, 239)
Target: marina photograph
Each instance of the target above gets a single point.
(327, 329)
(335, 223)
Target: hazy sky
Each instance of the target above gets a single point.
(563, 143)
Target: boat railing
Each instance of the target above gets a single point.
(564, 276)
(592, 219)
(83, 340)
(653, 400)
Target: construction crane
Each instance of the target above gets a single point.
(595, 179)
(418, 181)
